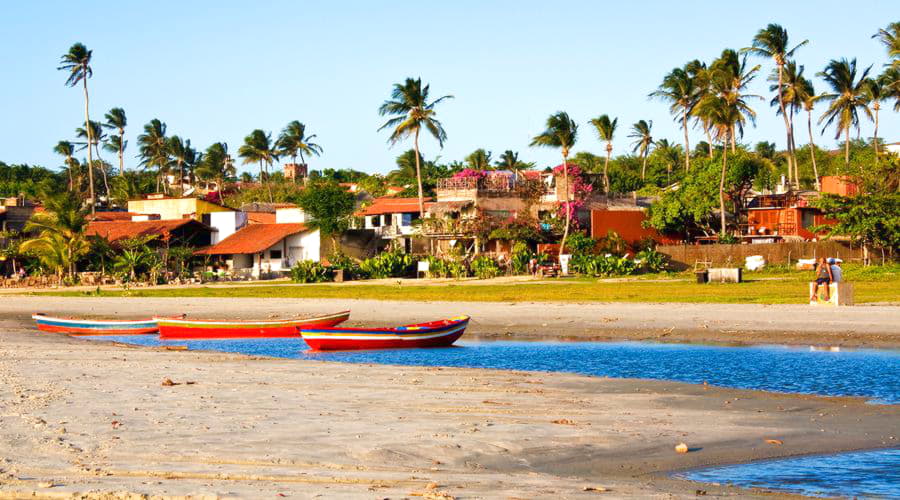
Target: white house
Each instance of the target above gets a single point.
(391, 217)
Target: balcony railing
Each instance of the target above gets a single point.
(448, 227)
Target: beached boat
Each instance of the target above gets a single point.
(187, 329)
(76, 326)
(433, 334)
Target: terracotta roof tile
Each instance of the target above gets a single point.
(261, 217)
(113, 216)
(391, 205)
(119, 230)
(253, 238)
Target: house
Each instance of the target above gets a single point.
(625, 217)
(174, 208)
(392, 219)
(187, 232)
(790, 215)
(269, 249)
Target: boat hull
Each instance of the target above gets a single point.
(207, 329)
(74, 326)
(435, 334)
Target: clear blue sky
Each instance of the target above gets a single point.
(215, 70)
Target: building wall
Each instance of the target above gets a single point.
(225, 224)
(840, 185)
(685, 256)
(290, 215)
(175, 208)
(626, 223)
(786, 222)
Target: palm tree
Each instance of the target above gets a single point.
(729, 77)
(561, 132)
(93, 136)
(77, 61)
(606, 129)
(890, 37)
(66, 150)
(890, 81)
(154, 148)
(217, 164)
(479, 159)
(60, 240)
(411, 109)
(678, 88)
(701, 75)
(723, 114)
(258, 147)
(116, 120)
(806, 93)
(772, 42)
(847, 98)
(293, 141)
(643, 140)
(874, 93)
(788, 98)
(179, 150)
(509, 160)
(670, 154)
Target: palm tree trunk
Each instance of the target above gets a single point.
(787, 125)
(644, 166)
(732, 136)
(812, 150)
(709, 141)
(687, 144)
(847, 146)
(722, 189)
(87, 128)
(121, 151)
(605, 172)
(103, 171)
(562, 244)
(180, 178)
(69, 170)
(792, 147)
(875, 138)
(419, 176)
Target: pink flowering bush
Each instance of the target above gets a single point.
(468, 173)
(579, 188)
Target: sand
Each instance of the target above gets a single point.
(78, 416)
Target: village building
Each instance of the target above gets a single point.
(391, 218)
(167, 208)
(790, 216)
(182, 232)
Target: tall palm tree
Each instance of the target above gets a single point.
(293, 141)
(670, 153)
(77, 61)
(890, 37)
(561, 132)
(93, 136)
(701, 75)
(723, 114)
(772, 42)
(890, 82)
(847, 99)
(116, 120)
(643, 140)
(217, 164)
(806, 93)
(606, 129)
(874, 93)
(730, 75)
(154, 149)
(788, 98)
(60, 228)
(258, 147)
(66, 150)
(411, 109)
(179, 150)
(678, 88)
(479, 159)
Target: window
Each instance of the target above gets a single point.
(275, 254)
(406, 220)
(807, 219)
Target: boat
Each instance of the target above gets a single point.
(76, 326)
(191, 329)
(432, 334)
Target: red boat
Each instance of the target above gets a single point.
(186, 329)
(433, 334)
(76, 326)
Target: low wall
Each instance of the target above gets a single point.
(684, 256)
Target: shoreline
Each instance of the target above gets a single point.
(732, 324)
(255, 426)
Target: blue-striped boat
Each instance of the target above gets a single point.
(440, 333)
(75, 326)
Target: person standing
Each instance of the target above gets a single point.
(823, 277)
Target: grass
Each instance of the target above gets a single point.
(774, 286)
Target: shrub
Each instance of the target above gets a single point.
(485, 267)
(308, 271)
(602, 265)
(446, 268)
(520, 257)
(387, 265)
(652, 261)
(579, 243)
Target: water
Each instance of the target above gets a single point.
(869, 474)
(873, 374)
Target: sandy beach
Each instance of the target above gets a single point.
(84, 418)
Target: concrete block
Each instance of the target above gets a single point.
(840, 294)
(725, 275)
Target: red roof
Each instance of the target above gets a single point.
(119, 230)
(113, 216)
(253, 238)
(261, 217)
(392, 205)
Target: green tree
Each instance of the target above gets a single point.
(293, 141)
(869, 219)
(60, 240)
(890, 81)
(180, 152)
(806, 94)
(643, 141)
(790, 96)
(561, 132)
(66, 150)
(78, 63)
(329, 208)
(411, 109)
(680, 91)
(772, 42)
(509, 160)
(258, 148)
(217, 165)
(154, 149)
(93, 136)
(606, 129)
(890, 38)
(116, 120)
(479, 159)
(874, 93)
(847, 98)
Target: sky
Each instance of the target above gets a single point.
(216, 70)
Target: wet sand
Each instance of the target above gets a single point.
(80, 416)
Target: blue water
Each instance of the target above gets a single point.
(870, 474)
(873, 374)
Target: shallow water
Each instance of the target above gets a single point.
(874, 374)
(868, 474)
